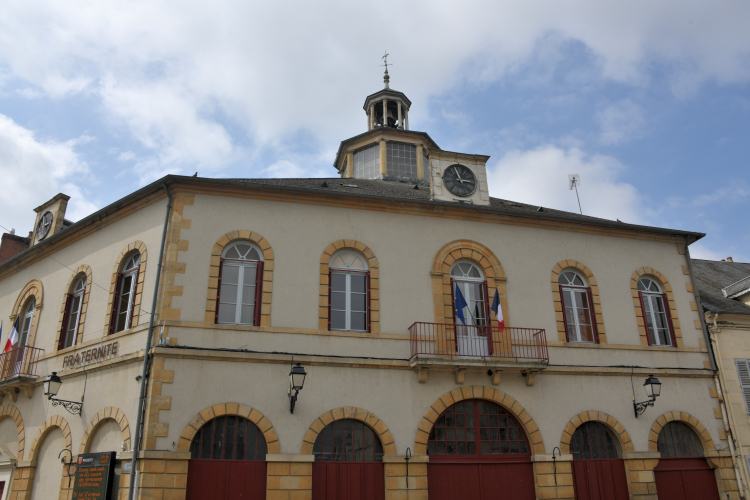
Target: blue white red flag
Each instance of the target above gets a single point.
(12, 338)
(497, 308)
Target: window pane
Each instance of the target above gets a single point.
(248, 294)
(359, 302)
(227, 313)
(359, 283)
(359, 321)
(338, 320)
(367, 163)
(249, 275)
(247, 314)
(338, 282)
(229, 438)
(241, 440)
(338, 301)
(230, 274)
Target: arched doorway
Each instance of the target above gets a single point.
(478, 450)
(683, 473)
(227, 461)
(348, 463)
(598, 467)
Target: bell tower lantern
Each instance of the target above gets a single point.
(387, 108)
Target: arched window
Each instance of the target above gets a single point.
(657, 319)
(577, 307)
(594, 441)
(28, 317)
(476, 427)
(469, 280)
(240, 284)
(348, 292)
(229, 437)
(678, 440)
(125, 290)
(347, 441)
(72, 316)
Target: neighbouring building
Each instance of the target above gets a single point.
(380, 282)
(724, 287)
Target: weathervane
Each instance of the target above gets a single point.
(386, 78)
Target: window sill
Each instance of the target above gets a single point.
(626, 347)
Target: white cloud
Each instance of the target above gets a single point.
(34, 170)
(700, 251)
(540, 177)
(621, 122)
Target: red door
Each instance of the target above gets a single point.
(685, 479)
(600, 479)
(226, 480)
(348, 481)
(512, 480)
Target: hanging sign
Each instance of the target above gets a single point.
(94, 476)
(95, 354)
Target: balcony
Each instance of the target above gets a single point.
(436, 346)
(18, 371)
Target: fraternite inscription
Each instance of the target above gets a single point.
(94, 354)
(94, 476)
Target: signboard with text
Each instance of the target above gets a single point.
(94, 476)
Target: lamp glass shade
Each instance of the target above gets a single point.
(652, 386)
(297, 376)
(52, 385)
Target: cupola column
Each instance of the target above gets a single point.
(406, 118)
(400, 120)
(385, 112)
(371, 124)
(383, 159)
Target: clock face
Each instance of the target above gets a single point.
(45, 222)
(459, 180)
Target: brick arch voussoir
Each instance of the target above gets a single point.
(680, 416)
(372, 262)
(557, 300)
(595, 416)
(467, 249)
(667, 289)
(11, 411)
(54, 422)
(222, 409)
(268, 266)
(103, 416)
(530, 427)
(351, 413)
(33, 288)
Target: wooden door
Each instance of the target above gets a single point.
(600, 479)
(226, 480)
(685, 479)
(481, 480)
(348, 481)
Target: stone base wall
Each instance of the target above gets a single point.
(289, 477)
(23, 479)
(639, 468)
(399, 486)
(553, 479)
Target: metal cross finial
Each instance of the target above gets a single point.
(386, 78)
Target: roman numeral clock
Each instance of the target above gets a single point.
(460, 180)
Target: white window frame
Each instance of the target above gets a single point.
(26, 327)
(78, 292)
(570, 290)
(652, 298)
(129, 269)
(347, 272)
(464, 283)
(241, 264)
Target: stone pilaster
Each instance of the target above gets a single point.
(553, 479)
(639, 469)
(399, 485)
(289, 476)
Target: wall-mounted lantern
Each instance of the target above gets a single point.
(296, 382)
(653, 389)
(51, 387)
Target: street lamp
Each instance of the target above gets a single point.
(51, 387)
(653, 390)
(296, 381)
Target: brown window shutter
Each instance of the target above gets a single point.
(645, 320)
(66, 320)
(131, 306)
(592, 315)
(218, 292)
(564, 314)
(258, 292)
(115, 304)
(329, 297)
(669, 319)
(367, 299)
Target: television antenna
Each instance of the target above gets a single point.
(574, 180)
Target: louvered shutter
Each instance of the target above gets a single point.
(743, 369)
(645, 320)
(669, 319)
(564, 313)
(66, 320)
(330, 273)
(218, 292)
(367, 302)
(592, 314)
(258, 292)
(115, 304)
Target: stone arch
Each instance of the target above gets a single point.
(33, 289)
(56, 421)
(221, 409)
(372, 261)
(10, 411)
(82, 269)
(101, 417)
(121, 260)
(350, 412)
(441, 279)
(595, 416)
(597, 303)
(213, 273)
(478, 392)
(681, 416)
(667, 289)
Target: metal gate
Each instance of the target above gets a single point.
(481, 481)
(600, 479)
(226, 480)
(685, 479)
(348, 481)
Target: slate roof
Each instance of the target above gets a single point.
(711, 276)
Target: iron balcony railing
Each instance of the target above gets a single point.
(486, 342)
(19, 361)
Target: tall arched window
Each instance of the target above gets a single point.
(468, 278)
(28, 317)
(577, 307)
(594, 441)
(229, 437)
(347, 441)
(657, 319)
(240, 284)
(125, 290)
(72, 316)
(348, 292)
(678, 440)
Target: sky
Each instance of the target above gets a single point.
(649, 102)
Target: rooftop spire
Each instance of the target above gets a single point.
(386, 78)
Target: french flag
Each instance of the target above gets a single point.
(12, 338)
(498, 310)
